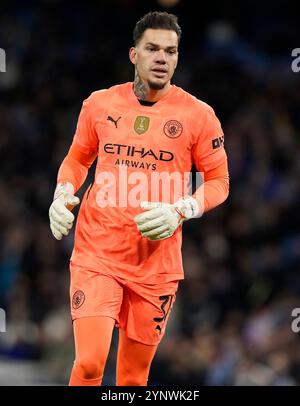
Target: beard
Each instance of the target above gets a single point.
(156, 85)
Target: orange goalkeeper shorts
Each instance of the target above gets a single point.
(142, 310)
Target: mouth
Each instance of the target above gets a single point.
(159, 72)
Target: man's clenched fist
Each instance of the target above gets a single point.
(61, 218)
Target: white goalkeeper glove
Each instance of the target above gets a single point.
(161, 220)
(61, 218)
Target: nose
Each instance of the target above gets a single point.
(160, 56)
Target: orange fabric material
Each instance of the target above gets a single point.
(169, 136)
(75, 166)
(215, 188)
(92, 342)
(133, 361)
(141, 310)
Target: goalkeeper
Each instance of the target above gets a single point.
(126, 263)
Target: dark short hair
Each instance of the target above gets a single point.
(156, 20)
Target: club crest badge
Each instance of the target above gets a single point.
(173, 129)
(78, 299)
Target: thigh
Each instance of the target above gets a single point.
(92, 337)
(133, 361)
(146, 309)
(93, 294)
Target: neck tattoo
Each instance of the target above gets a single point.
(139, 88)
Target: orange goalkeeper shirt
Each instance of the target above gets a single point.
(134, 143)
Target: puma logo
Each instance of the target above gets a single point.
(109, 118)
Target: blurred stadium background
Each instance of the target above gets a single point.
(232, 321)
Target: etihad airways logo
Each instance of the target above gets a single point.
(131, 150)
